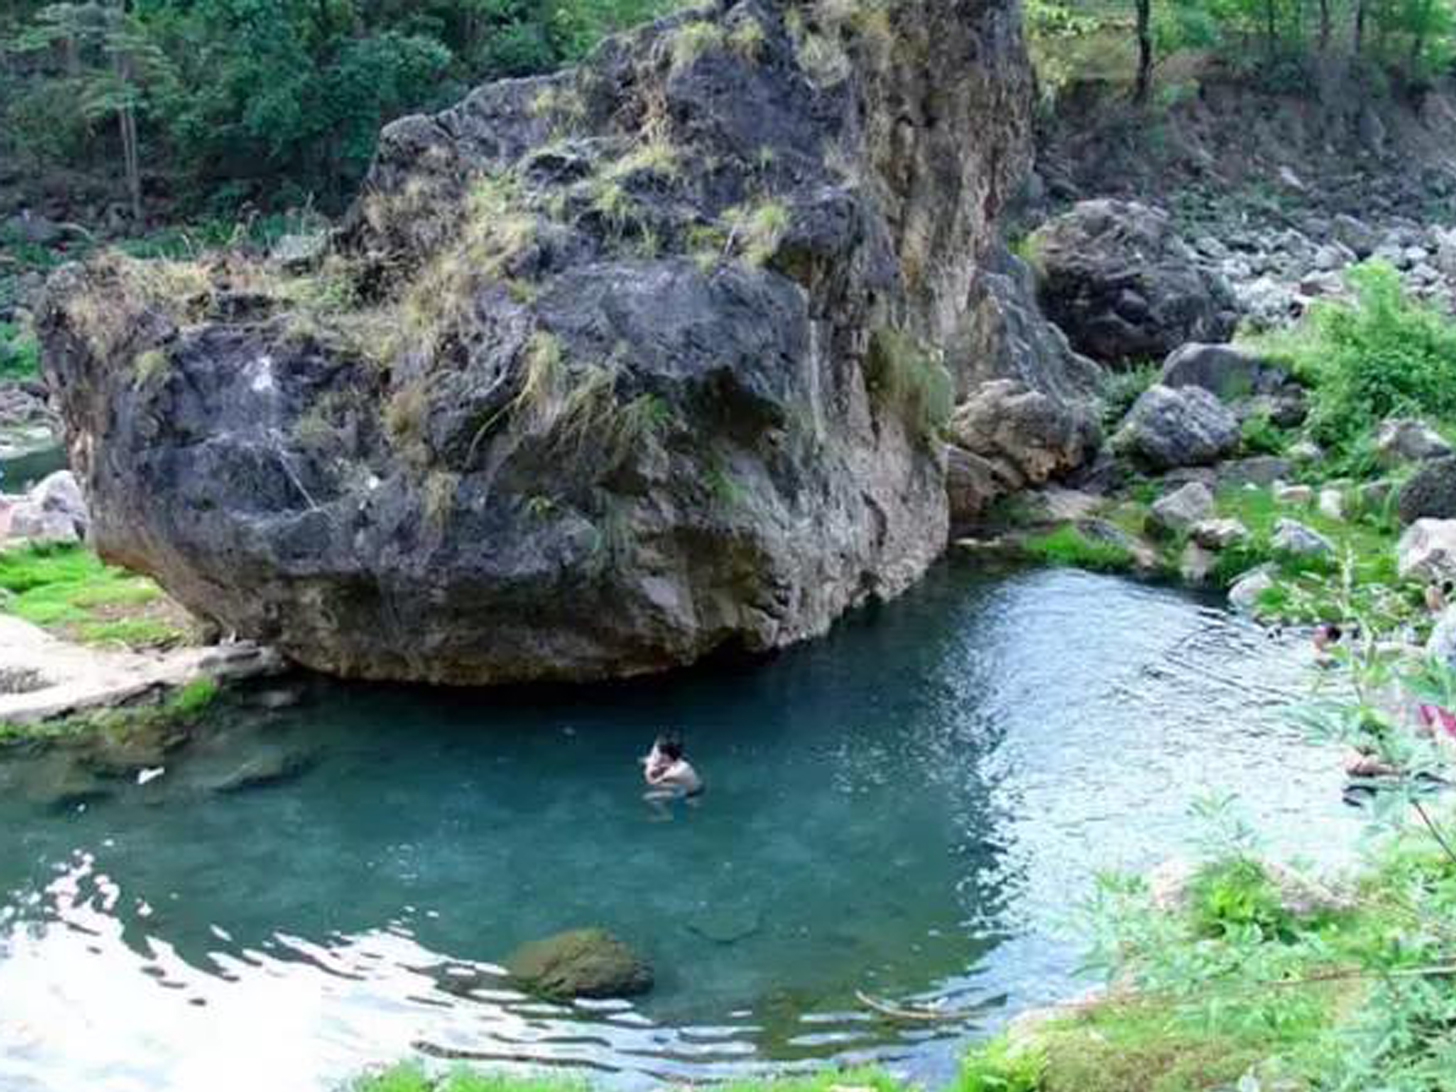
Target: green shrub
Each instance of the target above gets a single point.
(1236, 894)
(1381, 356)
(1123, 389)
(1261, 436)
(995, 1066)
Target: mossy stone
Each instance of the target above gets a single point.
(580, 963)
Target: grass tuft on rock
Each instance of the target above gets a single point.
(906, 379)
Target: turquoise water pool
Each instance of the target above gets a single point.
(910, 809)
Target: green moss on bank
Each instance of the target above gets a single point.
(413, 1077)
(1069, 545)
(70, 592)
(179, 709)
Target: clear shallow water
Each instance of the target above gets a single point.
(910, 807)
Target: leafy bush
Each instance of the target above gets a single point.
(1236, 894)
(1382, 356)
(1123, 389)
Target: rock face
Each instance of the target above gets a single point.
(1009, 338)
(580, 963)
(1117, 278)
(1169, 428)
(605, 371)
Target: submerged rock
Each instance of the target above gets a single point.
(1117, 278)
(580, 963)
(649, 359)
(273, 766)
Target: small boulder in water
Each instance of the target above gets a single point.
(271, 767)
(580, 963)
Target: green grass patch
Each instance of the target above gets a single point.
(1360, 578)
(19, 352)
(1069, 545)
(69, 590)
(413, 1077)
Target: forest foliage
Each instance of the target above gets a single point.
(277, 102)
(199, 108)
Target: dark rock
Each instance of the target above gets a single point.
(1429, 493)
(1261, 470)
(1230, 373)
(609, 422)
(1185, 427)
(580, 963)
(1115, 276)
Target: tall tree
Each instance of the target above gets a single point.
(1145, 51)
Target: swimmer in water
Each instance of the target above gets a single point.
(668, 774)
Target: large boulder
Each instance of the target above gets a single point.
(1427, 550)
(606, 371)
(1176, 513)
(1036, 435)
(1407, 439)
(1117, 278)
(1429, 493)
(1007, 336)
(1230, 373)
(52, 512)
(1169, 428)
(580, 963)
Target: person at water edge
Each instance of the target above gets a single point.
(667, 772)
(1326, 635)
(1438, 596)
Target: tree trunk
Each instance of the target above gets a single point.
(1270, 30)
(1359, 26)
(130, 152)
(1324, 31)
(1145, 51)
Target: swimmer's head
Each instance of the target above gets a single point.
(669, 745)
